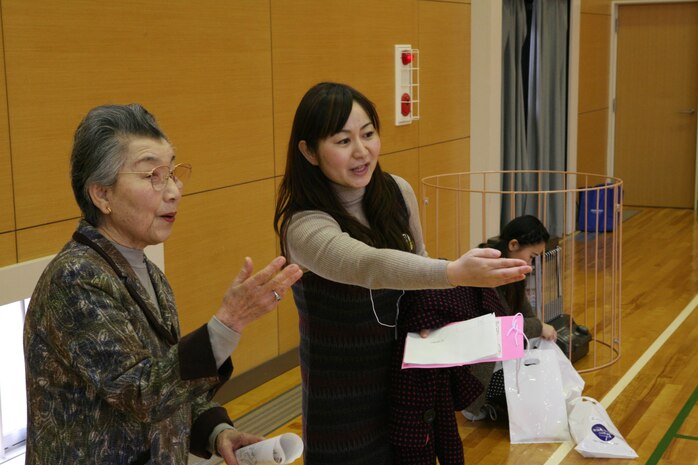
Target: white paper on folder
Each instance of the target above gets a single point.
(279, 450)
(456, 343)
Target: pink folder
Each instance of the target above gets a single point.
(511, 332)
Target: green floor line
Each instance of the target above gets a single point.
(691, 438)
(673, 430)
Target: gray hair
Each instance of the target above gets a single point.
(99, 145)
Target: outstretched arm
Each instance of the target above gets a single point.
(483, 268)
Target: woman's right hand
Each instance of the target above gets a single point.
(482, 267)
(548, 332)
(230, 440)
(251, 296)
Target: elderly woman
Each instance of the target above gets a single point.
(109, 379)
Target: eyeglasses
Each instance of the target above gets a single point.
(161, 174)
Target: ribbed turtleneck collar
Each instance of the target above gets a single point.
(349, 196)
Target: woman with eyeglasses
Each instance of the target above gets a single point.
(355, 230)
(110, 380)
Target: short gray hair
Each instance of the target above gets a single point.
(99, 145)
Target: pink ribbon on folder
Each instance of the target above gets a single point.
(512, 339)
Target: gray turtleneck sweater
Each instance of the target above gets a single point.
(316, 243)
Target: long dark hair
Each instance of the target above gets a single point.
(323, 112)
(527, 230)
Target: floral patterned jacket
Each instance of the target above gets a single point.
(103, 385)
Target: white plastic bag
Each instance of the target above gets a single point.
(535, 400)
(572, 382)
(595, 433)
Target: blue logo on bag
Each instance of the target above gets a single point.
(601, 432)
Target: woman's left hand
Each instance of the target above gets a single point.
(230, 440)
(484, 268)
(251, 296)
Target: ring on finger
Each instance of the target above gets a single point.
(276, 295)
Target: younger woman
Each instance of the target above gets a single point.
(355, 232)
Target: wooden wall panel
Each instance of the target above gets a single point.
(444, 44)
(445, 216)
(353, 45)
(596, 6)
(44, 240)
(223, 80)
(259, 343)
(8, 249)
(289, 336)
(592, 134)
(448, 157)
(7, 209)
(404, 164)
(203, 69)
(594, 66)
(214, 231)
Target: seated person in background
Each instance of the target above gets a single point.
(524, 237)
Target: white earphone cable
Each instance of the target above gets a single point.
(397, 313)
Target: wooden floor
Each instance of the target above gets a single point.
(659, 282)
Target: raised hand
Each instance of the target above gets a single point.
(251, 296)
